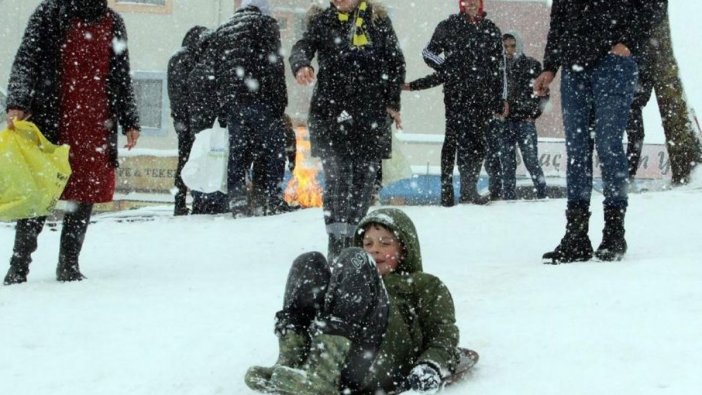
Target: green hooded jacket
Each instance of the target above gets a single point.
(421, 323)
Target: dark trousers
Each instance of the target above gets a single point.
(635, 127)
(599, 98)
(75, 226)
(185, 145)
(255, 133)
(267, 180)
(493, 158)
(469, 125)
(349, 300)
(635, 137)
(348, 188)
(448, 161)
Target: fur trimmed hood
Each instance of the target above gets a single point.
(377, 11)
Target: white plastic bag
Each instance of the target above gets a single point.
(206, 169)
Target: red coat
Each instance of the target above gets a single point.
(84, 110)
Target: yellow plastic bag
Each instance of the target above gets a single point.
(33, 172)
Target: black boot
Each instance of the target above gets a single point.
(68, 271)
(447, 197)
(19, 269)
(473, 197)
(75, 225)
(180, 207)
(575, 246)
(469, 192)
(613, 246)
(239, 207)
(26, 234)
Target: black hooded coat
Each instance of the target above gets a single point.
(354, 86)
(471, 64)
(34, 83)
(180, 66)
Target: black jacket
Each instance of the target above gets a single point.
(521, 73)
(36, 73)
(471, 63)
(180, 66)
(354, 85)
(203, 107)
(583, 32)
(428, 81)
(244, 55)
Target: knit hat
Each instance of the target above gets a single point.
(462, 7)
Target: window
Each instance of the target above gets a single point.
(151, 99)
(143, 6)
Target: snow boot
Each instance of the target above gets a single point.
(321, 374)
(19, 270)
(26, 234)
(239, 208)
(277, 205)
(68, 271)
(293, 350)
(474, 197)
(75, 225)
(469, 193)
(180, 208)
(575, 246)
(447, 197)
(613, 246)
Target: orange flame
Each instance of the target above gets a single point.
(303, 188)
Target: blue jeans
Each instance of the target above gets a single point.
(522, 133)
(596, 104)
(255, 133)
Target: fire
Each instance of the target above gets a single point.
(303, 188)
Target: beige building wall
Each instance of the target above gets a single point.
(156, 31)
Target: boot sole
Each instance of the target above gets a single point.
(285, 380)
(552, 261)
(609, 256)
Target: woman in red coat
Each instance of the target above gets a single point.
(71, 74)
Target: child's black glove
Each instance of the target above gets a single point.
(425, 378)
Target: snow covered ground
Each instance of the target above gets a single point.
(185, 305)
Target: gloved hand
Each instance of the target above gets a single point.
(425, 378)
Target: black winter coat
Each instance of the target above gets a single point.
(244, 55)
(203, 108)
(180, 66)
(583, 32)
(36, 74)
(521, 73)
(354, 86)
(471, 63)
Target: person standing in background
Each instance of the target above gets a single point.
(245, 56)
(466, 50)
(180, 95)
(519, 125)
(361, 69)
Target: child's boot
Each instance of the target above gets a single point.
(293, 349)
(322, 371)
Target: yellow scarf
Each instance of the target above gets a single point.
(359, 36)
